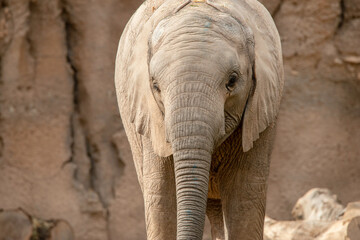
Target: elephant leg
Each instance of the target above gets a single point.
(136, 149)
(159, 195)
(243, 190)
(215, 215)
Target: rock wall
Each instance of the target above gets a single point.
(317, 143)
(63, 152)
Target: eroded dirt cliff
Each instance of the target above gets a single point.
(63, 152)
(319, 123)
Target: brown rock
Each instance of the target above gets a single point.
(345, 39)
(58, 110)
(353, 229)
(319, 125)
(351, 8)
(14, 224)
(62, 231)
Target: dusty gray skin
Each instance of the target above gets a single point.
(199, 86)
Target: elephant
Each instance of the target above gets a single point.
(199, 84)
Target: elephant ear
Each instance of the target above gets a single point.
(133, 79)
(145, 113)
(263, 105)
(264, 101)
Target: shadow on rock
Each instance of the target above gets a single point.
(19, 225)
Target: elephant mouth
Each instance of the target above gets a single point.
(222, 139)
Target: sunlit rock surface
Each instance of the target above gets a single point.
(318, 216)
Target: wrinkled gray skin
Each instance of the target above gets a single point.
(198, 98)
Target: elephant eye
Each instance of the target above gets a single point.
(155, 85)
(232, 81)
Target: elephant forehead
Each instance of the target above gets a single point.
(198, 24)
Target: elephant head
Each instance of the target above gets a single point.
(209, 70)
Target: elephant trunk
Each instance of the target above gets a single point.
(192, 176)
(193, 126)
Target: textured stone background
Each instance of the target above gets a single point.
(63, 152)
